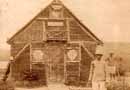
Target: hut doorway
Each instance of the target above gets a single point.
(54, 63)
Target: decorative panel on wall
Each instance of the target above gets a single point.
(56, 29)
(72, 64)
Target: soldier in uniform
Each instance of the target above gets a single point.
(98, 73)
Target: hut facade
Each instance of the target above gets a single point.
(56, 44)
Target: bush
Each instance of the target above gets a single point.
(31, 79)
(29, 84)
(6, 85)
(31, 76)
(118, 85)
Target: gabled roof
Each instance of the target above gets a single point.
(58, 1)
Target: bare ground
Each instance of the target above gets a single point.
(56, 87)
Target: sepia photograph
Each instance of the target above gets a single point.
(64, 45)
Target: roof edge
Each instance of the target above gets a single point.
(99, 42)
(29, 22)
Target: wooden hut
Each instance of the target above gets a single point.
(56, 44)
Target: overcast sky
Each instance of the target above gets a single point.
(107, 19)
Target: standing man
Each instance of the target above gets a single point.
(111, 66)
(8, 70)
(98, 73)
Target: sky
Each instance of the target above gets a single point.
(109, 20)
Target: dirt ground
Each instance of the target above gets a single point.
(55, 87)
(50, 87)
(42, 88)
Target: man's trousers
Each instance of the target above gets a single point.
(98, 85)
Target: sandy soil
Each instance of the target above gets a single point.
(41, 88)
(50, 87)
(55, 87)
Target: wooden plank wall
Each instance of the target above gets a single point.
(21, 64)
(15, 48)
(76, 32)
(85, 67)
(32, 32)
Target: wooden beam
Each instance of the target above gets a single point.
(68, 30)
(44, 31)
(54, 18)
(17, 55)
(30, 56)
(80, 56)
(19, 42)
(90, 54)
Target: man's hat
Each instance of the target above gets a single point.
(99, 50)
(11, 58)
(98, 54)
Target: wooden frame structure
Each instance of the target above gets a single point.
(65, 32)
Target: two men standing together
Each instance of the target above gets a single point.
(99, 72)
